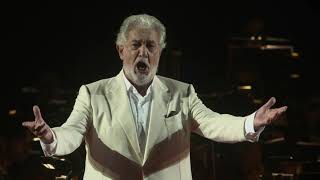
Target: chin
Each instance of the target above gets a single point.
(142, 79)
(139, 78)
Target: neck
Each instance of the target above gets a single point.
(142, 89)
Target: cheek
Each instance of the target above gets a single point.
(155, 59)
(127, 59)
(127, 62)
(130, 57)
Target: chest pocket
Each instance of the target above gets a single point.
(174, 123)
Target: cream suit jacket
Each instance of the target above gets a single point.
(102, 117)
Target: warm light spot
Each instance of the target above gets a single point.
(36, 139)
(61, 177)
(257, 101)
(49, 166)
(274, 140)
(294, 76)
(12, 112)
(278, 47)
(295, 54)
(252, 38)
(248, 87)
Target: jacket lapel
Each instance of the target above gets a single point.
(159, 109)
(121, 111)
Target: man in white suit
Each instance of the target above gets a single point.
(137, 125)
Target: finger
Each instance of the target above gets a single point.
(28, 124)
(37, 113)
(38, 127)
(270, 103)
(42, 132)
(274, 114)
(279, 111)
(274, 118)
(282, 109)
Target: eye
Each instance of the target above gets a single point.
(151, 46)
(135, 45)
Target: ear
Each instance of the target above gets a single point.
(120, 49)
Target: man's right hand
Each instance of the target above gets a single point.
(39, 127)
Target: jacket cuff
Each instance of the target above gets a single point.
(49, 149)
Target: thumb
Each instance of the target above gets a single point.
(37, 112)
(270, 103)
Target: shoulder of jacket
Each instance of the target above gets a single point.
(99, 85)
(174, 85)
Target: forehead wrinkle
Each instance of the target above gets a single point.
(141, 32)
(142, 40)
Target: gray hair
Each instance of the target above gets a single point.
(141, 20)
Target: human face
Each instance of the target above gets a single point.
(140, 55)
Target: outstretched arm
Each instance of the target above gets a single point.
(69, 136)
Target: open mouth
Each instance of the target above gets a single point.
(142, 67)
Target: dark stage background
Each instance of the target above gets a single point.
(74, 42)
(51, 48)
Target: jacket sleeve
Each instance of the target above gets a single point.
(70, 135)
(212, 125)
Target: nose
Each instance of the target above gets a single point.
(143, 51)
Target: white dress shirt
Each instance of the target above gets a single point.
(140, 106)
